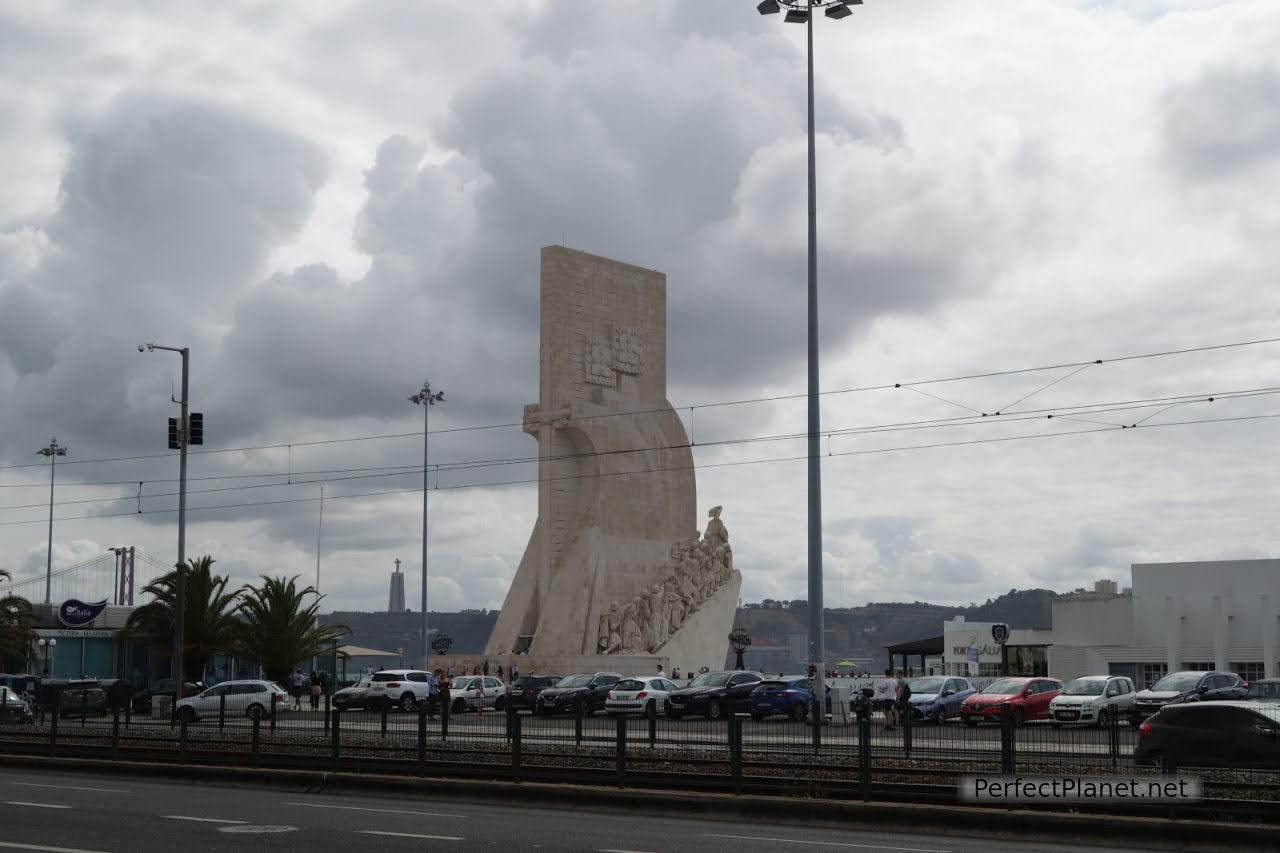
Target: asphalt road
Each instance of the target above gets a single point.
(92, 813)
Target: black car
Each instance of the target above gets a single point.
(714, 694)
(1186, 686)
(141, 701)
(13, 708)
(583, 690)
(1212, 734)
(526, 689)
(76, 696)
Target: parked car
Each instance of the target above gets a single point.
(525, 690)
(397, 688)
(1265, 689)
(475, 693)
(79, 696)
(119, 693)
(937, 697)
(1186, 686)
(1212, 734)
(714, 694)
(1092, 699)
(252, 698)
(142, 700)
(649, 695)
(1028, 698)
(585, 690)
(13, 708)
(790, 697)
(353, 695)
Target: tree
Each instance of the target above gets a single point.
(16, 618)
(279, 630)
(209, 625)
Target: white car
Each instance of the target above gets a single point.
(250, 698)
(643, 695)
(397, 688)
(1090, 698)
(476, 692)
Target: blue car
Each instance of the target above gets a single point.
(936, 697)
(790, 697)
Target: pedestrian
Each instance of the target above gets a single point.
(499, 672)
(515, 672)
(449, 671)
(675, 673)
(486, 666)
(295, 688)
(315, 690)
(443, 685)
(902, 698)
(661, 674)
(433, 693)
(886, 697)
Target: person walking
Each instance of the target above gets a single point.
(433, 693)
(315, 690)
(886, 697)
(442, 686)
(675, 673)
(902, 698)
(296, 681)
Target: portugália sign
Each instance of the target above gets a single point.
(76, 614)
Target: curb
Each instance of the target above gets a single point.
(1092, 829)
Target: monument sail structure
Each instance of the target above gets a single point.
(615, 564)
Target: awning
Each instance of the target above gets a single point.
(361, 652)
(927, 646)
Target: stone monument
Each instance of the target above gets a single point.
(614, 565)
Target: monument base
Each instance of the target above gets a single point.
(703, 640)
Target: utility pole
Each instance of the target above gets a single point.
(183, 436)
(53, 451)
(426, 399)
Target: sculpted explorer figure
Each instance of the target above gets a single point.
(615, 630)
(631, 628)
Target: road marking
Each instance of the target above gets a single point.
(14, 845)
(831, 843)
(411, 835)
(200, 819)
(71, 787)
(366, 809)
(610, 850)
(35, 805)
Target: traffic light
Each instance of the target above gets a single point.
(195, 428)
(173, 434)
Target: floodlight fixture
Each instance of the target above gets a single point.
(836, 11)
(797, 16)
(769, 7)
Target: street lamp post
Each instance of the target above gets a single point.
(47, 646)
(425, 398)
(53, 451)
(801, 12)
(180, 593)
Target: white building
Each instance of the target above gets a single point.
(970, 648)
(1207, 615)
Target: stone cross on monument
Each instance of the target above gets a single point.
(616, 536)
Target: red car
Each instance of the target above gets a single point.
(1028, 697)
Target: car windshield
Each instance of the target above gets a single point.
(1085, 687)
(462, 683)
(575, 681)
(711, 679)
(925, 685)
(629, 684)
(1005, 686)
(1264, 690)
(1178, 681)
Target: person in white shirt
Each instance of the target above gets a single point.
(886, 698)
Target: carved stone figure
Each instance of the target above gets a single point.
(615, 630)
(657, 625)
(602, 635)
(631, 628)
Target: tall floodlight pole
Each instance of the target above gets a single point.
(426, 399)
(802, 12)
(53, 451)
(180, 595)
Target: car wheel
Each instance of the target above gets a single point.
(458, 706)
(187, 715)
(714, 709)
(757, 717)
(651, 709)
(500, 703)
(408, 701)
(1019, 717)
(1104, 719)
(799, 712)
(939, 716)
(666, 707)
(256, 712)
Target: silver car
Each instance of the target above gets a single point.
(1092, 699)
(476, 693)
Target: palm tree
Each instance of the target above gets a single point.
(16, 635)
(209, 624)
(279, 629)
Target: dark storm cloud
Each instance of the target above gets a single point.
(1225, 121)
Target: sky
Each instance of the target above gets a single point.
(330, 202)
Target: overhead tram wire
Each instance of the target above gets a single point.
(713, 405)
(696, 466)
(1071, 413)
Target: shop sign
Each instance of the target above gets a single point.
(76, 614)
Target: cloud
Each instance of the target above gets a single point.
(1224, 122)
